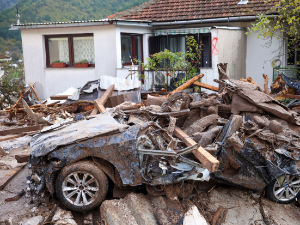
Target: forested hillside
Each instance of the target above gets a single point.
(6, 4)
(59, 10)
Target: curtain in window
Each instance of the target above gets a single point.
(84, 49)
(177, 44)
(63, 50)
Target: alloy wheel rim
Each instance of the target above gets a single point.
(288, 189)
(80, 188)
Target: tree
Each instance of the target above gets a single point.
(285, 24)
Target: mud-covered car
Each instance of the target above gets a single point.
(244, 163)
(75, 160)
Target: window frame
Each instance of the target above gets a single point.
(70, 44)
(133, 55)
(198, 37)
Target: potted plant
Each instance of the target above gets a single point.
(58, 64)
(82, 63)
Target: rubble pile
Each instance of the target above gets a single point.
(239, 135)
(238, 126)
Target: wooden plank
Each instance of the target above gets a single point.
(20, 130)
(209, 161)
(59, 97)
(100, 102)
(22, 158)
(289, 96)
(266, 83)
(186, 84)
(11, 137)
(4, 180)
(207, 86)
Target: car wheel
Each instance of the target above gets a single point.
(81, 186)
(284, 190)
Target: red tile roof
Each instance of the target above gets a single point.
(171, 10)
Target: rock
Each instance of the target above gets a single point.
(34, 221)
(63, 217)
(262, 121)
(141, 208)
(275, 127)
(116, 212)
(193, 217)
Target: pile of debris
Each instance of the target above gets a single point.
(240, 134)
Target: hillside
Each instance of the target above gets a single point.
(59, 10)
(6, 4)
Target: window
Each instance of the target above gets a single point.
(70, 49)
(176, 43)
(131, 48)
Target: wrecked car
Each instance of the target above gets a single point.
(74, 160)
(243, 164)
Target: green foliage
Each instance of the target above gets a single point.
(82, 61)
(167, 62)
(283, 25)
(10, 84)
(58, 61)
(6, 4)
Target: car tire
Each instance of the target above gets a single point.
(81, 186)
(286, 192)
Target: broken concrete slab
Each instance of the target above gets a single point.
(63, 217)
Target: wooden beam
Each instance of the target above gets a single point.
(289, 96)
(186, 84)
(22, 158)
(266, 82)
(11, 137)
(20, 98)
(207, 86)
(4, 180)
(209, 161)
(20, 130)
(36, 95)
(99, 103)
(59, 97)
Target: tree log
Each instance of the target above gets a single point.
(266, 82)
(207, 86)
(186, 84)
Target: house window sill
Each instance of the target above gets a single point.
(70, 68)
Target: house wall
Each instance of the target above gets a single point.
(232, 50)
(212, 73)
(259, 57)
(51, 81)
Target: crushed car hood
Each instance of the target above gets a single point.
(51, 138)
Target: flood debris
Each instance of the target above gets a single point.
(241, 136)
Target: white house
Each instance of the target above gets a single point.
(219, 25)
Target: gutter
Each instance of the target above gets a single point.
(213, 20)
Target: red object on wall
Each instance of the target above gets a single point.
(58, 65)
(82, 65)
